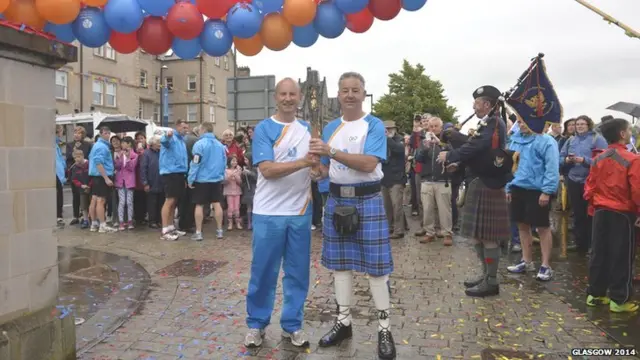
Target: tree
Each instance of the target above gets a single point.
(411, 91)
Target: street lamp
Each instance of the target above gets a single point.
(164, 98)
(371, 96)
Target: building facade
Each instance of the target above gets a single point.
(130, 84)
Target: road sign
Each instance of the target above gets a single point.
(253, 100)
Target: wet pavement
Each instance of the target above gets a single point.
(570, 283)
(195, 308)
(101, 290)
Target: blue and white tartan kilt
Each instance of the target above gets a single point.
(369, 250)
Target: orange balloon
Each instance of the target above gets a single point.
(95, 3)
(249, 47)
(58, 12)
(24, 12)
(4, 4)
(299, 12)
(276, 33)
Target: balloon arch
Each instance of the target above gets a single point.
(156, 26)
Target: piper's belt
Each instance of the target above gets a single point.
(349, 191)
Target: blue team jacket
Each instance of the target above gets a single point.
(209, 161)
(538, 167)
(60, 163)
(101, 155)
(173, 155)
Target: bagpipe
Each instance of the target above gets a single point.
(533, 99)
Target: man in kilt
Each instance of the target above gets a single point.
(485, 215)
(356, 231)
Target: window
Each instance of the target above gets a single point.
(192, 112)
(169, 82)
(97, 92)
(156, 113)
(143, 79)
(226, 62)
(109, 53)
(105, 51)
(140, 110)
(191, 83)
(157, 83)
(110, 94)
(212, 85)
(61, 85)
(170, 113)
(212, 114)
(217, 61)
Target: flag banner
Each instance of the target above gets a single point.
(534, 100)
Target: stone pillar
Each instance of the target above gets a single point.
(30, 326)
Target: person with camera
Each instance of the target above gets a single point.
(394, 180)
(435, 190)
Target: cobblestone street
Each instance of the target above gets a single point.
(199, 314)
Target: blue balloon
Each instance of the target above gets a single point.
(186, 49)
(330, 22)
(351, 6)
(268, 6)
(244, 20)
(413, 5)
(305, 36)
(123, 16)
(157, 7)
(62, 32)
(216, 39)
(90, 27)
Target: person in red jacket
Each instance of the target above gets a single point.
(613, 192)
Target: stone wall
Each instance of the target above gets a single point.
(30, 327)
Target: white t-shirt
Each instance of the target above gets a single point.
(363, 136)
(282, 142)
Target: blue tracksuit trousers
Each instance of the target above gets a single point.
(276, 240)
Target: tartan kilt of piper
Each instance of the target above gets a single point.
(485, 214)
(369, 250)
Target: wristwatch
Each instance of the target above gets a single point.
(332, 152)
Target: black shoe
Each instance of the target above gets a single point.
(154, 226)
(420, 233)
(483, 289)
(338, 332)
(386, 345)
(396, 236)
(74, 222)
(473, 282)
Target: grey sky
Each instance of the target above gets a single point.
(469, 43)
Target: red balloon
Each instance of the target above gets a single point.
(154, 36)
(185, 21)
(360, 21)
(385, 9)
(215, 9)
(124, 43)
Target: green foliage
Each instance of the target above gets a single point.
(411, 91)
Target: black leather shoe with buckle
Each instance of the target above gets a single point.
(338, 332)
(386, 346)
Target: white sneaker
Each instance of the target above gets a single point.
(313, 227)
(254, 338)
(544, 274)
(298, 338)
(169, 236)
(521, 267)
(178, 232)
(107, 229)
(94, 228)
